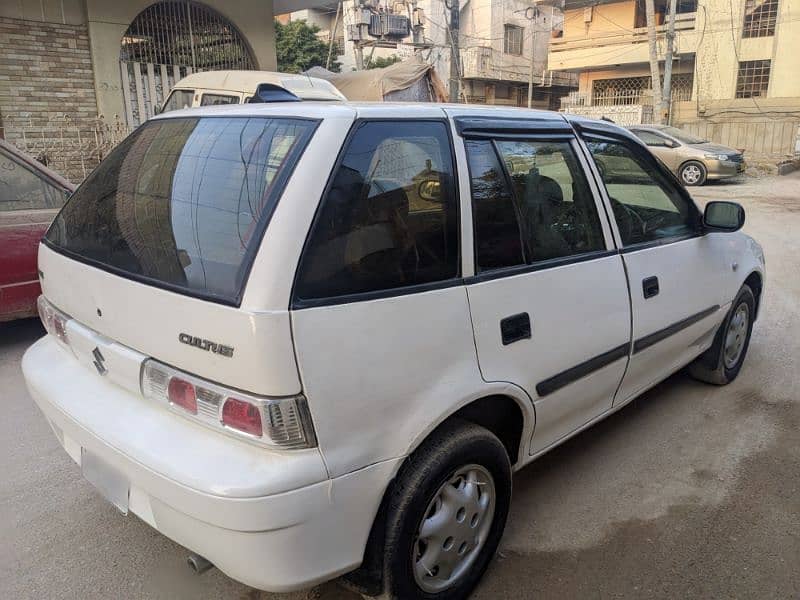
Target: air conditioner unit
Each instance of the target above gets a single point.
(383, 24)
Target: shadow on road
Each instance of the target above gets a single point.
(22, 331)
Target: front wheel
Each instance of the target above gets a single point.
(693, 173)
(721, 363)
(446, 514)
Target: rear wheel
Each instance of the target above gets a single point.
(693, 173)
(721, 363)
(446, 514)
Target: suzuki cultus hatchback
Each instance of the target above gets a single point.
(313, 339)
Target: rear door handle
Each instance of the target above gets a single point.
(515, 328)
(650, 287)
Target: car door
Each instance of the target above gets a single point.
(676, 273)
(28, 203)
(660, 146)
(380, 318)
(548, 299)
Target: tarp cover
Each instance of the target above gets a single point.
(417, 79)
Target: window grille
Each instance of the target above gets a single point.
(187, 34)
(760, 17)
(753, 78)
(636, 90)
(512, 40)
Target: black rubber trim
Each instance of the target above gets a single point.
(662, 334)
(481, 126)
(552, 263)
(556, 382)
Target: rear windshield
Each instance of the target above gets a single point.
(183, 202)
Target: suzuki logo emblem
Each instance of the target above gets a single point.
(99, 361)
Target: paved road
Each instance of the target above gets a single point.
(691, 491)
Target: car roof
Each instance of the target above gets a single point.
(362, 110)
(245, 82)
(390, 110)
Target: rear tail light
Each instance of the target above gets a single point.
(54, 321)
(181, 393)
(275, 422)
(242, 416)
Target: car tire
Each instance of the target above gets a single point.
(721, 363)
(434, 514)
(693, 173)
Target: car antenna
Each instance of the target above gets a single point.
(605, 118)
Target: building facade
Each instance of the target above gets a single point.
(735, 67)
(77, 75)
(497, 42)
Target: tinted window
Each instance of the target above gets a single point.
(646, 205)
(534, 205)
(23, 189)
(178, 99)
(180, 201)
(649, 138)
(390, 217)
(217, 100)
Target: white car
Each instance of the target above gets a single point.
(310, 339)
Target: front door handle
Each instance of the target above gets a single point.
(650, 287)
(515, 328)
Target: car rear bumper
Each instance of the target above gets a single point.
(282, 541)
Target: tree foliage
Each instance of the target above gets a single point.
(379, 62)
(298, 48)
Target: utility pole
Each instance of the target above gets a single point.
(655, 74)
(531, 13)
(666, 103)
(455, 59)
(333, 34)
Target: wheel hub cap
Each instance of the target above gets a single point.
(736, 335)
(691, 174)
(454, 528)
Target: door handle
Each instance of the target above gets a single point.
(514, 328)
(650, 287)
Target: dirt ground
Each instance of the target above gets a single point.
(690, 491)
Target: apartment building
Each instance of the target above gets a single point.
(735, 67)
(498, 40)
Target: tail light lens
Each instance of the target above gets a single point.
(283, 423)
(54, 321)
(181, 393)
(242, 416)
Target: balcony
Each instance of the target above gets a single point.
(625, 47)
(486, 63)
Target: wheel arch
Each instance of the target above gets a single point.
(506, 413)
(756, 283)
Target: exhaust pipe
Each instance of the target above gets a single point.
(198, 564)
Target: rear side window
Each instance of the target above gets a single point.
(23, 189)
(218, 100)
(531, 203)
(183, 202)
(390, 217)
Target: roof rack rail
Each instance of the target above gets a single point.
(269, 92)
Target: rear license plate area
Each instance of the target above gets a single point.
(111, 484)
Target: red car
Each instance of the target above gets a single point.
(30, 196)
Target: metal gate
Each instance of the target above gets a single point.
(168, 41)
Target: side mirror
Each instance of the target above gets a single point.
(723, 216)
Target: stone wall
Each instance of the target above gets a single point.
(47, 96)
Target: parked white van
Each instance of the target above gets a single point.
(308, 339)
(215, 88)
